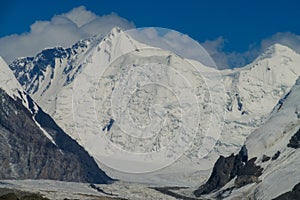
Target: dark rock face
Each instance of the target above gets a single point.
(265, 158)
(249, 173)
(281, 102)
(226, 168)
(109, 125)
(222, 173)
(292, 195)
(26, 153)
(276, 155)
(295, 140)
(250, 169)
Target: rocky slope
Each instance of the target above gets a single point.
(33, 146)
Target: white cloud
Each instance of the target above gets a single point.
(80, 16)
(62, 30)
(289, 39)
(224, 59)
(66, 29)
(215, 50)
(238, 59)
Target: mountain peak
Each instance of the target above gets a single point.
(276, 50)
(113, 33)
(8, 82)
(116, 30)
(279, 47)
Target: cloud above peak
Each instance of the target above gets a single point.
(287, 38)
(234, 59)
(62, 30)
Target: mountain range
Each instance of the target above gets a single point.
(55, 109)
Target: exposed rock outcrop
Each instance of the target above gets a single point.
(222, 173)
(27, 153)
(276, 155)
(249, 173)
(265, 158)
(295, 140)
(227, 168)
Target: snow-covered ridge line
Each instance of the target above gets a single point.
(10, 85)
(8, 81)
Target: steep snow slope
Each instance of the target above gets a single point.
(252, 92)
(275, 145)
(9, 83)
(49, 76)
(282, 174)
(150, 71)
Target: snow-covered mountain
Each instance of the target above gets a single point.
(44, 77)
(32, 145)
(253, 91)
(48, 77)
(51, 88)
(272, 150)
(65, 83)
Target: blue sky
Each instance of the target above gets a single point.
(239, 25)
